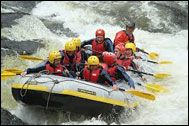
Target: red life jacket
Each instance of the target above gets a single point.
(126, 63)
(78, 53)
(123, 37)
(91, 76)
(119, 61)
(58, 70)
(112, 72)
(66, 61)
(98, 48)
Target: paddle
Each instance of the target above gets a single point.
(151, 55)
(10, 72)
(161, 62)
(27, 57)
(14, 70)
(156, 88)
(153, 87)
(140, 94)
(5, 75)
(157, 75)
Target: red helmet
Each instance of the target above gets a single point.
(121, 48)
(100, 32)
(109, 58)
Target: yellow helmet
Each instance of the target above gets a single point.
(131, 45)
(54, 55)
(93, 60)
(77, 41)
(70, 46)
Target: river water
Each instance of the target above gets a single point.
(161, 27)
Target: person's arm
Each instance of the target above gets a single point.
(79, 66)
(106, 77)
(36, 69)
(134, 66)
(88, 42)
(109, 45)
(80, 76)
(83, 56)
(122, 73)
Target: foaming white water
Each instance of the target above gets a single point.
(172, 107)
(27, 28)
(82, 21)
(87, 122)
(168, 108)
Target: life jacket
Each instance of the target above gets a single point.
(112, 72)
(126, 63)
(71, 64)
(98, 48)
(123, 37)
(57, 71)
(78, 54)
(91, 76)
(119, 61)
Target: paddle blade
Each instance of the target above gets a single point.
(161, 75)
(132, 105)
(153, 55)
(165, 62)
(5, 75)
(142, 94)
(155, 87)
(26, 57)
(14, 70)
(4, 78)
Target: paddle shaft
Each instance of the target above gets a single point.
(142, 50)
(140, 94)
(141, 72)
(151, 61)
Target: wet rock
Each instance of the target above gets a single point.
(24, 6)
(179, 14)
(18, 9)
(5, 52)
(8, 119)
(8, 19)
(58, 28)
(21, 47)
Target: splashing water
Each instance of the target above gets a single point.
(168, 108)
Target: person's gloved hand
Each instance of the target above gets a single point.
(115, 87)
(131, 83)
(77, 73)
(66, 71)
(23, 74)
(84, 49)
